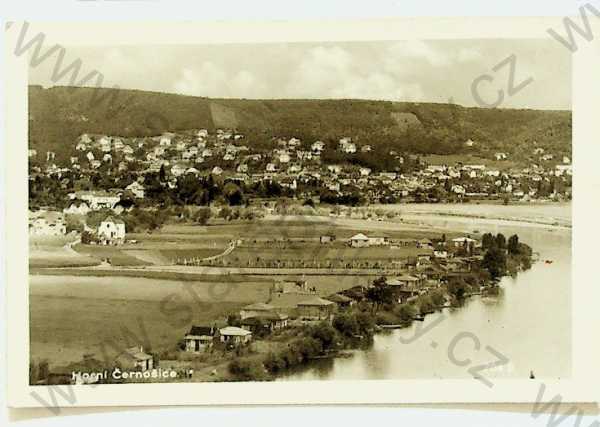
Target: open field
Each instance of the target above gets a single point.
(54, 251)
(63, 329)
(72, 316)
(115, 255)
(284, 238)
(320, 253)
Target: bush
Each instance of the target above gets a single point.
(325, 333)
(405, 312)
(309, 347)
(438, 298)
(385, 318)
(246, 369)
(365, 322)
(346, 324)
(202, 216)
(274, 362)
(225, 213)
(457, 288)
(425, 304)
(234, 320)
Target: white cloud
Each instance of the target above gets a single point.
(333, 72)
(206, 80)
(246, 85)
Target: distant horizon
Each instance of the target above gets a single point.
(464, 72)
(295, 99)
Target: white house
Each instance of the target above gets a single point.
(359, 241)
(284, 157)
(137, 189)
(97, 199)
(440, 254)
(234, 335)
(347, 146)
(105, 144)
(77, 208)
(118, 144)
(111, 231)
(461, 241)
(564, 169)
(318, 146)
(165, 140)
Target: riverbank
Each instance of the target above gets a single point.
(169, 336)
(553, 215)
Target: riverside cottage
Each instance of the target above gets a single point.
(270, 321)
(135, 358)
(342, 301)
(315, 308)
(199, 338)
(233, 335)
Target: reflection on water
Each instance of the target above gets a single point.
(529, 322)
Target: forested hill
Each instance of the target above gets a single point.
(57, 116)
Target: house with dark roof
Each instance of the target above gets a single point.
(315, 308)
(267, 322)
(199, 338)
(341, 301)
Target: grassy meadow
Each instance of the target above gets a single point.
(76, 308)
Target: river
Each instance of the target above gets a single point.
(528, 324)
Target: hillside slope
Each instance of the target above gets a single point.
(57, 116)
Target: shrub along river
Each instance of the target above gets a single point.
(528, 323)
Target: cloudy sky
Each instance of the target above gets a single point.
(423, 71)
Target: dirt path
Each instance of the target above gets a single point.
(227, 251)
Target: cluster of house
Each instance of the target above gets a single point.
(83, 202)
(287, 300)
(47, 223)
(296, 300)
(292, 163)
(110, 231)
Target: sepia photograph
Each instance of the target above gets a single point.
(294, 213)
(299, 212)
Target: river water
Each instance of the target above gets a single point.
(527, 327)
